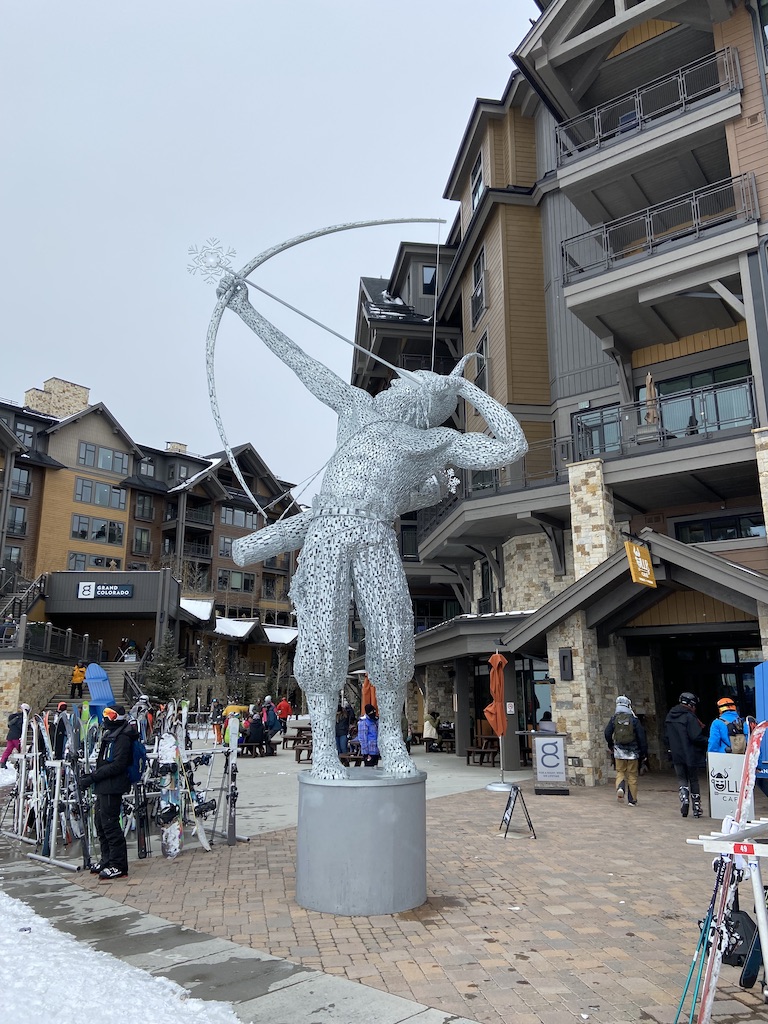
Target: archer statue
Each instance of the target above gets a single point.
(392, 456)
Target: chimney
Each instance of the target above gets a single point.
(59, 398)
(176, 446)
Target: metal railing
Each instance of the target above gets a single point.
(199, 515)
(140, 548)
(731, 201)
(46, 639)
(716, 74)
(197, 550)
(677, 420)
(23, 600)
(17, 529)
(21, 490)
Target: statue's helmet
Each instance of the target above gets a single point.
(423, 398)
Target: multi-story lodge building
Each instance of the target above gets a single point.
(608, 262)
(79, 495)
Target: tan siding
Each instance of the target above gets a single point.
(523, 149)
(641, 34)
(527, 362)
(95, 429)
(752, 558)
(690, 607)
(747, 138)
(701, 342)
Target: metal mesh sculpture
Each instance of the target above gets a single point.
(392, 457)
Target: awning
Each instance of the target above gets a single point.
(200, 610)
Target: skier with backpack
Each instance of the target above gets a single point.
(687, 745)
(729, 733)
(626, 740)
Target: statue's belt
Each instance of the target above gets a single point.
(321, 509)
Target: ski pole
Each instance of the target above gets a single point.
(703, 936)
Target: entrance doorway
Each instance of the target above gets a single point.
(713, 668)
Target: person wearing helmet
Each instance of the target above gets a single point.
(626, 740)
(687, 744)
(721, 732)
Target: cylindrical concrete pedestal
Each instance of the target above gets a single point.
(361, 844)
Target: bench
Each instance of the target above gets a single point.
(254, 749)
(486, 753)
(352, 759)
(303, 752)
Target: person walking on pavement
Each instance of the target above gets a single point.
(687, 744)
(13, 739)
(110, 780)
(368, 735)
(283, 710)
(727, 730)
(625, 737)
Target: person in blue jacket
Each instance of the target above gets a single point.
(719, 740)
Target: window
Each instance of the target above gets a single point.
(239, 581)
(103, 562)
(97, 531)
(763, 9)
(17, 521)
(428, 280)
(225, 547)
(20, 482)
(409, 546)
(104, 458)
(93, 492)
(147, 467)
(481, 363)
(707, 400)
(238, 517)
(271, 588)
(478, 287)
(76, 562)
(597, 431)
(476, 181)
(25, 433)
(721, 528)
(80, 527)
(142, 542)
(12, 553)
(145, 508)
(183, 472)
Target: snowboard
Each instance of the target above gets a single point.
(169, 802)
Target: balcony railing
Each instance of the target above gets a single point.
(717, 73)
(199, 515)
(731, 201)
(141, 547)
(144, 515)
(20, 490)
(197, 550)
(17, 529)
(685, 418)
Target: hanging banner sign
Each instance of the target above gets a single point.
(640, 564)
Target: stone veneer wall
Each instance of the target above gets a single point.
(438, 691)
(58, 398)
(529, 581)
(594, 533)
(31, 681)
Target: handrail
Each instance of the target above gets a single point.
(716, 74)
(730, 201)
(20, 604)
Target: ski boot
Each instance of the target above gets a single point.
(696, 800)
(684, 801)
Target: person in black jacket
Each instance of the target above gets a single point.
(628, 745)
(15, 726)
(687, 744)
(110, 780)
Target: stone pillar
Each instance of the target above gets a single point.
(594, 534)
(761, 451)
(464, 694)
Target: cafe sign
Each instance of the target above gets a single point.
(640, 564)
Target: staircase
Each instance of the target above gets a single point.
(25, 594)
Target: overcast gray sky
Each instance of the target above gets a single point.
(135, 130)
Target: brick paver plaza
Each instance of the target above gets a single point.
(593, 920)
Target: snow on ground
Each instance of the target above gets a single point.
(7, 776)
(46, 975)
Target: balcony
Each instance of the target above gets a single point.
(697, 445)
(17, 529)
(199, 516)
(684, 219)
(144, 515)
(20, 490)
(141, 547)
(715, 75)
(197, 551)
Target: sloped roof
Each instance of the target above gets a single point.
(99, 409)
(611, 599)
(281, 634)
(380, 305)
(197, 609)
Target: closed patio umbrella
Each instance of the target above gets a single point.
(651, 400)
(496, 713)
(369, 696)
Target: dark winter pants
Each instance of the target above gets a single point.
(114, 852)
(688, 777)
(76, 691)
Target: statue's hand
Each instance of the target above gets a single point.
(233, 288)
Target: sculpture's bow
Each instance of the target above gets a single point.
(221, 305)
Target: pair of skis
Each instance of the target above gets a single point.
(719, 933)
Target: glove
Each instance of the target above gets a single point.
(86, 780)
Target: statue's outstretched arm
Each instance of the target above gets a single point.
(316, 377)
(478, 451)
(286, 535)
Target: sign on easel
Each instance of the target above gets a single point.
(514, 795)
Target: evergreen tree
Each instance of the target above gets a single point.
(165, 677)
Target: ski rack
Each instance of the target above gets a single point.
(749, 843)
(53, 824)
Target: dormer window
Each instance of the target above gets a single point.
(476, 181)
(428, 280)
(147, 467)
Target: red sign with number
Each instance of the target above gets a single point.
(743, 848)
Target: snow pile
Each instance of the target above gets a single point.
(7, 776)
(35, 960)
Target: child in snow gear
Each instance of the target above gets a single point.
(110, 780)
(686, 743)
(728, 733)
(13, 739)
(626, 740)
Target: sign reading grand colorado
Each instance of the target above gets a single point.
(91, 589)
